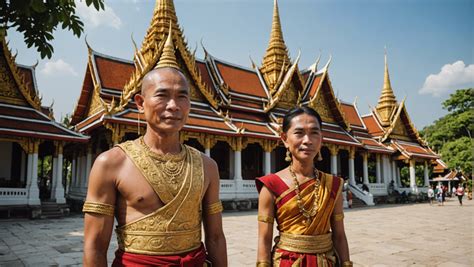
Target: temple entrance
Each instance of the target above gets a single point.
(192, 142)
(372, 168)
(359, 168)
(45, 170)
(12, 165)
(252, 162)
(325, 164)
(220, 153)
(279, 156)
(343, 164)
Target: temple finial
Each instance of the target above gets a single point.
(168, 58)
(387, 101)
(277, 53)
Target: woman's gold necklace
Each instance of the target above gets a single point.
(308, 214)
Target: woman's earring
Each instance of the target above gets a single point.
(288, 155)
(320, 156)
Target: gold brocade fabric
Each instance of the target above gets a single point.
(296, 236)
(174, 228)
(291, 221)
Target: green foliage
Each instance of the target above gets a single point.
(459, 154)
(38, 19)
(460, 101)
(451, 135)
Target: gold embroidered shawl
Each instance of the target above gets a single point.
(174, 228)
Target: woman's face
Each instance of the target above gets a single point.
(303, 138)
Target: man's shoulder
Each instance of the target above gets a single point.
(111, 158)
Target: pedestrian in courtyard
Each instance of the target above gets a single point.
(439, 193)
(453, 191)
(349, 198)
(431, 195)
(306, 202)
(460, 193)
(159, 190)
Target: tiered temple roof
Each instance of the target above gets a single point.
(21, 112)
(232, 100)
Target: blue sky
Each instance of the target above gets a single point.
(429, 43)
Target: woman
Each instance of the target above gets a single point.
(306, 203)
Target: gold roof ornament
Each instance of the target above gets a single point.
(387, 102)
(168, 58)
(276, 59)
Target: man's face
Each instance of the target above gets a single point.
(164, 100)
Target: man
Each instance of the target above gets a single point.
(156, 187)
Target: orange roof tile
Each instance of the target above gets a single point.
(351, 114)
(241, 80)
(113, 74)
(372, 125)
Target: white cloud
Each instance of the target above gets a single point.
(58, 67)
(93, 18)
(451, 77)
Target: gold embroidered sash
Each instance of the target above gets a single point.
(312, 244)
(174, 228)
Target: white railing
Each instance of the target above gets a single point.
(227, 189)
(412, 190)
(378, 189)
(367, 197)
(238, 190)
(13, 196)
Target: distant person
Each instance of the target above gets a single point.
(365, 188)
(460, 193)
(439, 194)
(453, 192)
(349, 198)
(431, 195)
(444, 189)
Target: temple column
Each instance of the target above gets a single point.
(333, 149)
(207, 152)
(58, 189)
(394, 174)
(88, 167)
(237, 147)
(54, 173)
(427, 179)
(351, 166)
(268, 160)
(412, 175)
(365, 169)
(377, 169)
(399, 179)
(33, 190)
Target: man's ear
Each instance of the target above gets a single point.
(139, 99)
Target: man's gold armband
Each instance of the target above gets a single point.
(214, 208)
(263, 264)
(347, 264)
(99, 208)
(338, 217)
(265, 219)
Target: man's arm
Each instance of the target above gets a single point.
(338, 233)
(214, 235)
(98, 227)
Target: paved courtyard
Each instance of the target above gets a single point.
(389, 235)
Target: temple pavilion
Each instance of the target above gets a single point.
(236, 113)
(28, 135)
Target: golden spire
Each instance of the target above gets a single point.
(387, 101)
(167, 58)
(163, 14)
(276, 59)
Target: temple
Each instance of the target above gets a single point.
(29, 135)
(236, 115)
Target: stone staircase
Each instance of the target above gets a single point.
(50, 210)
(357, 203)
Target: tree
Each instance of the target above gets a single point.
(451, 135)
(38, 19)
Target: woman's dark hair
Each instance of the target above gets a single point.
(296, 112)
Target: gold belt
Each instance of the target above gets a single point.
(310, 244)
(158, 243)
